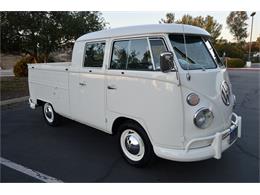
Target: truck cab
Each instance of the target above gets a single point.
(161, 89)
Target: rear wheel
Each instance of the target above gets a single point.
(50, 116)
(134, 144)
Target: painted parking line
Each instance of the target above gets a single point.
(30, 172)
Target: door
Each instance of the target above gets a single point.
(137, 89)
(91, 94)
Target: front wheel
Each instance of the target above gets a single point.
(134, 144)
(50, 116)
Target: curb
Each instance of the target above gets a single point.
(246, 69)
(14, 100)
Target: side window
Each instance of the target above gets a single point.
(131, 55)
(120, 55)
(139, 57)
(94, 54)
(157, 47)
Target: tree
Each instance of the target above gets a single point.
(213, 27)
(258, 42)
(44, 32)
(237, 25)
(208, 23)
(9, 32)
(254, 47)
(230, 49)
(170, 18)
(187, 19)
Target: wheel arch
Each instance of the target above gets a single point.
(40, 102)
(122, 119)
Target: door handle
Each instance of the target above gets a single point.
(111, 87)
(82, 84)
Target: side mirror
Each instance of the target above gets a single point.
(166, 61)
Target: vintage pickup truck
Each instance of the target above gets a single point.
(161, 89)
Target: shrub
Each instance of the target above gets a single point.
(232, 50)
(20, 68)
(235, 63)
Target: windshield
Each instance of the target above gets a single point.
(198, 53)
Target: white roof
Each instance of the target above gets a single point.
(144, 29)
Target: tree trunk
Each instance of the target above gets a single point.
(35, 54)
(46, 57)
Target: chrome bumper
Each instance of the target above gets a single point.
(218, 145)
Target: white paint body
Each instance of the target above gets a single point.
(154, 99)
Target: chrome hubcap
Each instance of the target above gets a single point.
(48, 112)
(132, 145)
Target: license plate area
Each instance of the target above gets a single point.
(233, 135)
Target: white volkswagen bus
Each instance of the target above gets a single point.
(161, 89)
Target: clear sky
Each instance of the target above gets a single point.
(117, 19)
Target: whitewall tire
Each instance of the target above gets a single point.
(134, 144)
(50, 116)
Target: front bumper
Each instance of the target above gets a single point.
(219, 143)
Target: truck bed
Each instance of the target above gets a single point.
(49, 82)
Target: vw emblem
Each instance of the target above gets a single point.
(225, 93)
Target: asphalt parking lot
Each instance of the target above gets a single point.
(77, 153)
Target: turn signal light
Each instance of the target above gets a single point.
(193, 99)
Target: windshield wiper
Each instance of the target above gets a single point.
(184, 55)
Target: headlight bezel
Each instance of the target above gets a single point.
(208, 120)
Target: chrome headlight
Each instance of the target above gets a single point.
(203, 118)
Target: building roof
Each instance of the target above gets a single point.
(144, 29)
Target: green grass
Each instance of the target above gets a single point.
(13, 87)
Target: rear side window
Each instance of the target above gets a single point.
(120, 55)
(94, 54)
(131, 55)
